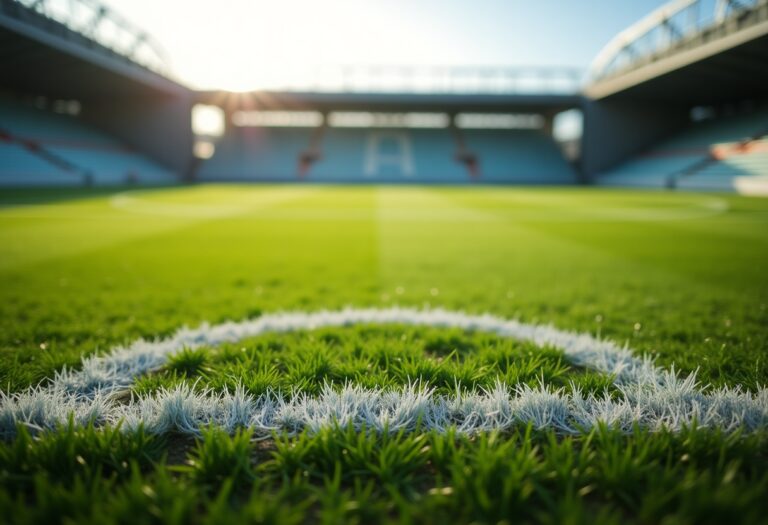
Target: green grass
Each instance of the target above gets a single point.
(680, 276)
(371, 356)
(339, 475)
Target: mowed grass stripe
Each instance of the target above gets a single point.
(68, 228)
(602, 278)
(685, 297)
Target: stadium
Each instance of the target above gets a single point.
(379, 293)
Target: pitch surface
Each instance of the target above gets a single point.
(680, 277)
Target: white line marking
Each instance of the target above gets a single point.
(411, 409)
(118, 369)
(650, 397)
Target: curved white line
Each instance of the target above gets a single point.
(649, 396)
(118, 369)
(414, 408)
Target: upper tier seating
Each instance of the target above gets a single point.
(97, 157)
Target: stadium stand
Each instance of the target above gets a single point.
(641, 87)
(341, 155)
(257, 154)
(67, 151)
(387, 155)
(707, 156)
(651, 169)
(518, 157)
(20, 165)
(728, 173)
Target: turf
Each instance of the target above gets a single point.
(679, 276)
(372, 357)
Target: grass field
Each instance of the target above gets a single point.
(680, 277)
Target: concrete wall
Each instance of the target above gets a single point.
(615, 130)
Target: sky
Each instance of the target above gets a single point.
(250, 44)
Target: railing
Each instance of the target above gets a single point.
(436, 80)
(98, 23)
(680, 24)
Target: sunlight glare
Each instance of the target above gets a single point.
(208, 120)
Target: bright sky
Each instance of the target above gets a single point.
(247, 44)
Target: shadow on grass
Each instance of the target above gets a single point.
(11, 197)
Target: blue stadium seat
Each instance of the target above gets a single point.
(518, 156)
(388, 155)
(33, 124)
(651, 172)
(725, 130)
(115, 167)
(266, 154)
(342, 155)
(724, 175)
(686, 151)
(87, 150)
(20, 167)
(435, 157)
